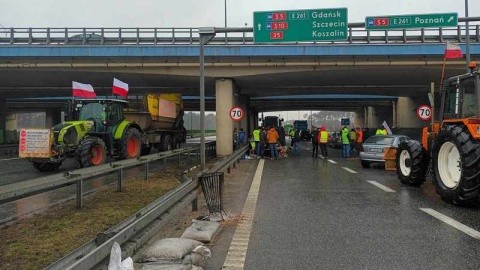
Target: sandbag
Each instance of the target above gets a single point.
(194, 267)
(201, 230)
(198, 257)
(169, 249)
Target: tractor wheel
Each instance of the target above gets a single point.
(46, 166)
(456, 159)
(91, 152)
(166, 144)
(130, 144)
(412, 163)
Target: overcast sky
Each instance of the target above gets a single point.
(198, 13)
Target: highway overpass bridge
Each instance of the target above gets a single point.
(261, 77)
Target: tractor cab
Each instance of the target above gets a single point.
(460, 96)
(105, 114)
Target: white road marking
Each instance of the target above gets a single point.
(457, 225)
(238, 248)
(349, 170)
(375, 183)
(7, 159)
(331, 161)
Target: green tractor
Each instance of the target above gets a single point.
(98, 131)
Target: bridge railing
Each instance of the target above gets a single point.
(190, 36)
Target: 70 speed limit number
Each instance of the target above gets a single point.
(424, 112)
(237, 113)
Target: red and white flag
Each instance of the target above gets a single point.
(120, 88)
(453, 51)
(83, 90)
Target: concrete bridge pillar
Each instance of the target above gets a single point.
(53, 117)
(225, 125)
(407, 113)
(3, 119)
(359, 120)
(372, 117)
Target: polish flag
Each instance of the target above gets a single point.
(453, 51)
(120, 88)
(83, 90)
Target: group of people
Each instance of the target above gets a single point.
(273, 139)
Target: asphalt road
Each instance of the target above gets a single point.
(317, 214)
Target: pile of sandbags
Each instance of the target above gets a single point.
(201, 230)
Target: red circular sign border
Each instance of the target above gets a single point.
(418, 112)
(241, 117)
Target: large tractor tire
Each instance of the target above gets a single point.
(91, 152)
(456, 159)
(130, 144)
(166, 143)
(412, 163)
(46, 166)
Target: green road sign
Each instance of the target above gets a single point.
(300, 25)
(411, 21)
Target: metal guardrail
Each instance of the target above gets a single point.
(190, 36)
(16, 191)
(143, 225)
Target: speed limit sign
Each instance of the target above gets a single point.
(237, 113)
(424, 112)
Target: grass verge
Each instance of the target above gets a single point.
(36, 242)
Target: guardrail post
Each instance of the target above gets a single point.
(30, 36)
(102, 33)
(155, 38)
(12, 36)
(146, 170)
(138, 35)
(404, 36)
(191, 36)
(195, 205)
(423, 34)
(386, 36)
(84, 40)
(440, 34)
(120, 180)
(119, 35)
(66, 36)
(173, 35)
(350, 35)
(368, 36)
(228, 169)
(80, 194)
(48, 35)
(459, 33)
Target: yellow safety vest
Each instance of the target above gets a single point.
(323, 136)
(256, 135)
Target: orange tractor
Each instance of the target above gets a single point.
(450, 150)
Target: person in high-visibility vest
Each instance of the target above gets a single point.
(323, 140)
(359, 141)
(256, 139)
(381, 131)
(345, 143)
(352, 137)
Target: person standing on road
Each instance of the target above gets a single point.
(272, 138)
(314, 142)
(353, 137)
(323, 140)
(296, 141)
(345, 142)
(263, 141)
(359, 140)
(256, 139)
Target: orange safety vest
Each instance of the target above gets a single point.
(360, 136)
(323, 137)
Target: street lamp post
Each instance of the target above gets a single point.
(225, 15)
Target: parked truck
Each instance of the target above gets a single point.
(101, 128)
(450, 149)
